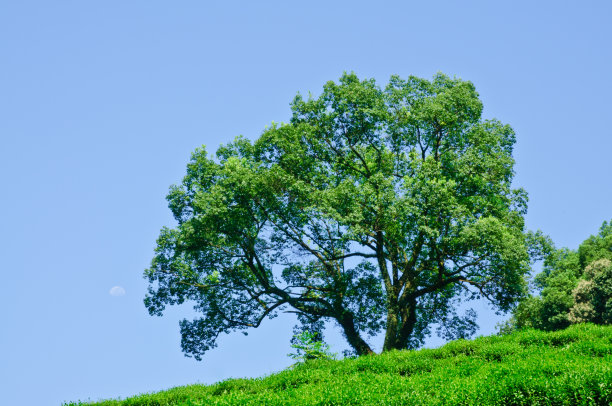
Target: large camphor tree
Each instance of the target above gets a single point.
(377, 209)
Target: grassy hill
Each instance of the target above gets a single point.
(569, 367)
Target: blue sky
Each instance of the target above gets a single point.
(101, 104)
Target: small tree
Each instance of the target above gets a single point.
(309, 347)
(377, 209)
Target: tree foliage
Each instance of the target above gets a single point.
(377, 209)
(593, 295)
(575, 286)
(309, 346)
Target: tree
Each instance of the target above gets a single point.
(549, 310)
(575, 286)
(309, 347)
(593, 295)
(376, 209)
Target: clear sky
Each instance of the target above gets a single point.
(102, 102)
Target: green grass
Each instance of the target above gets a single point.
(569, 367)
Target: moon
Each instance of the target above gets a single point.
(117, 291)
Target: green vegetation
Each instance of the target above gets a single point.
(568, 367)
(376, 209)
(575, 286)
(379, 210)
(309, 346)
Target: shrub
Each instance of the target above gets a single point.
(309, 348)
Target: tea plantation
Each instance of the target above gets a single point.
(568, 367)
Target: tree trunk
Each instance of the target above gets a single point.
(409, 319)
(392, 325)
(352, 335)
(400, 326)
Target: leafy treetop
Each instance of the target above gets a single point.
(574, 286)
(374, 208)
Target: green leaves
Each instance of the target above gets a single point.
(570, 367)
(373, 208)
(308, 348)
(572, 290)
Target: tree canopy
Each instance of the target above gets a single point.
(575, 286)
(377, 209)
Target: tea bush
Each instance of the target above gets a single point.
(569, 367)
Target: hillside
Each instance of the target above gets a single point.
(569, 367)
